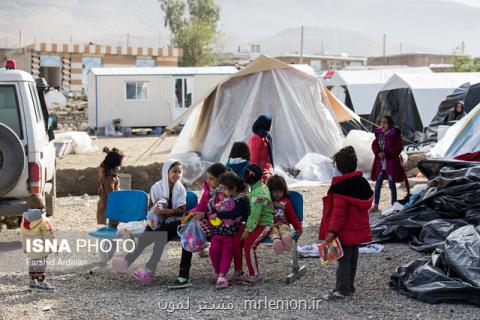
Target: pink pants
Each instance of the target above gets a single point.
(250, 247)
(221, 253)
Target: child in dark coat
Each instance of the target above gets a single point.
(345, 215)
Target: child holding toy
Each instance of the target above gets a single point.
(345, 216)
(211, 190)
(225, 219)
(284, 216)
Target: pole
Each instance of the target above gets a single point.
(71, 39)
(384, 44)
(400, 48)
(20, 39)
(128, 39)
(301, 46)
(6, 42)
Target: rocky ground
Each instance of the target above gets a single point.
(105, 295)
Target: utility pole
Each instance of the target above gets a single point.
(400, 48)
(71, 39)
(301, 46)
(322, 49)
(6, 42)
(384, 44)
(128, 39)
(463, 48)
(20, 39)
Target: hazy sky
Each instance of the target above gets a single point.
(473, 3)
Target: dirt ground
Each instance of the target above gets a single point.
(106, 295)
(138, 150)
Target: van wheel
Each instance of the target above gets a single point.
(51, 199)
(12, 159)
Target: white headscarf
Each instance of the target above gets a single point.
(161, 189)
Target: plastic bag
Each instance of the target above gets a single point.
(192, 236)
(361, 141)
(153, 219)
(316, 167)
(132, 227)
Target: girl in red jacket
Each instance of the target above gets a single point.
(261, 147)
(284, 216)
(345, 215)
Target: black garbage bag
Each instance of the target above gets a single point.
(434, 233)
(451, 274)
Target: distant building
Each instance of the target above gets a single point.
(65, 66)
(413, 60)
(322, 62)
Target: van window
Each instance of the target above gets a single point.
(36, 104)
(9, 109)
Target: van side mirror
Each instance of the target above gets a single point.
(41, 83)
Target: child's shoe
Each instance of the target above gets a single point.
(287, 243)
(179, 283)
(214, 277)
(222, 282)
(277, 246)
(32, 286)
(143, 275)
(252, 280)
(44, 286)
(237, 278)
(374, 209)
(120, 265)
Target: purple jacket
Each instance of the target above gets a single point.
(393, 146)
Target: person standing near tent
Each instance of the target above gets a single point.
(387, 147)
(261, 146)
(456, 114)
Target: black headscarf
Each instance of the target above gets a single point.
(261, 126)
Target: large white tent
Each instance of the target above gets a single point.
(413, 98)
(303, 119)
(362, 86)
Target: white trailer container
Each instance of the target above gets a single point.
(147, 97)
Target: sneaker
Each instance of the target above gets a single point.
(32, 285)
(179, 283)
(120, 265)
(143, 275)
(44, 286)
(237, 278)
(222, 282)
(277, 246)
(252, 281)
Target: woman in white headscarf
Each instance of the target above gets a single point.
(168, 199)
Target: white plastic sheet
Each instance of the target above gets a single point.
(361, 141)
(82, 143)
(463, 137)
(193, 166)
(315, 167)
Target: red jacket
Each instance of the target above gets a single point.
(345, 209)
(259, 154)
(285, 214)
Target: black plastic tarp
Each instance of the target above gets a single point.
(452, 197)
(401, 105)
(451, 274)
(442, 221)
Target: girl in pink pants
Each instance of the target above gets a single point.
(225, 219)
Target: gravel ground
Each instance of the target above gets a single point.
(105, 295)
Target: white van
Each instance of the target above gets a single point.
(27, 152)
